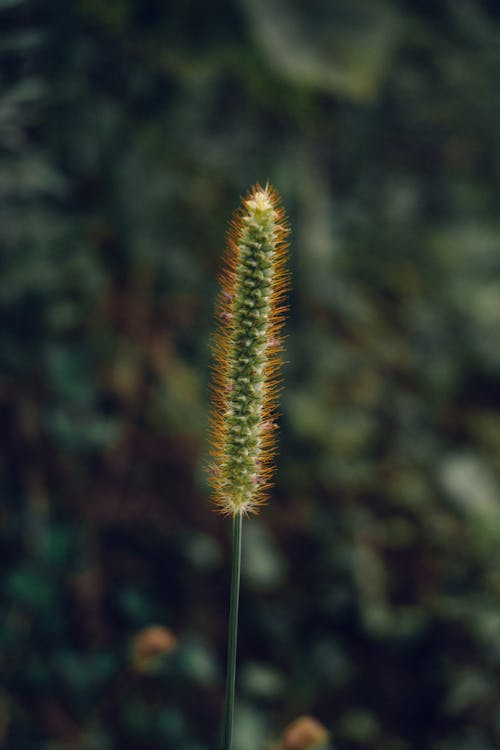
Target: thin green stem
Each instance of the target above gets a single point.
(233, 632)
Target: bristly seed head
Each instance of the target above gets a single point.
(251, 309)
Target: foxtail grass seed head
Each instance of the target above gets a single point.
(250, 315)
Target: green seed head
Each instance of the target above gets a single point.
(250, 316)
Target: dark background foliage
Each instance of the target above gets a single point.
(371, 591)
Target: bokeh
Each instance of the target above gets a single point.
(371, 582)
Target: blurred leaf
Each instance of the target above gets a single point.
(261, 681)
(468, 689)
(249, 729)
(345, 50)
(196, 662)
(471, 485)
(263, 564)
(359, 725)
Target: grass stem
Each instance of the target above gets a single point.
(233, 632)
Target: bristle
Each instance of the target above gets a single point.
(250, 314)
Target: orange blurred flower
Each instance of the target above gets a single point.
(149, 645)
(305, 733)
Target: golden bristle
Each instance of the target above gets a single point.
(250, 312)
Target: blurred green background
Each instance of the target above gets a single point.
(371, 590)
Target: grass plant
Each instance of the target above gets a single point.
(250, 317)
